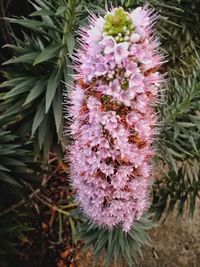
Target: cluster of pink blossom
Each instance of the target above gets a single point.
(113, 110)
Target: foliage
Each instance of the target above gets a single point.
(33, 100)
(37, 214)
(16, 168)
(178, 144)
(118, 247)
(179, 151)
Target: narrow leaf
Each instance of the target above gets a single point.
(3, 168)
(8, 179)
(61, 10)
(27, 58)
(39, 116)
(48, 53)
(36, 91)
(41, 12)
(70, 42)
(52, 87)
(57, 110)
(21, 87)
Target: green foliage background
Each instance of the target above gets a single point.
(32, 123)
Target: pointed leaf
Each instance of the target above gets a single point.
(12, 162)
(3, 168)
(52, 86)
(21, 87)
(39, 116)
(58, 111)
(36, 91)
(27, 58)
(70, 42)
(42, 12)
(47, 143)
(12, 82)
(61, 10)
(48, 53)
(8, 179)
(42, 131)
(29, 23)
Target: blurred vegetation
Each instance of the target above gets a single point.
(38, 217)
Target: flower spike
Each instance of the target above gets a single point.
(114, 119)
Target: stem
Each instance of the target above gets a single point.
(70, 206)
(67, 28)
(35, 193)
(20, 203)
(51, 206)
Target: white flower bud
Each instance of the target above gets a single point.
(124, 29)
(135, 37)
(126, 38)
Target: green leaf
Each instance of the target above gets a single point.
(37, 90)
(12, 82)
(39, 116)
(48, 53)
(114, 244)
(38, 27)
(58, 111)
(47, 144)
(30, 23)
(27, 58)
(22, 87)
(45, 4)
(10, 111)
(52, 86)
(12, 162)
(70, 42)
(42, 12)
(42, 131)
(8, 179)
(3, 168)
(60, 10)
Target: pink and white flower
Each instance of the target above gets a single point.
(112, 109)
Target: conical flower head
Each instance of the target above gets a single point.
(113, 109)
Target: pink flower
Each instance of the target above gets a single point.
(107, 169)
(121, 51)
(133, 117)
(101, 69)
(113, 120)
(88, 71)
(141, 103)
(120, 179)
(136, 83)
(109, 44)
(114, 88)
(140, 17)
(102, 88)
(77, 97)
(95, 32)
(126, 97)
(131, 67)
(94, 106)
(109, 120)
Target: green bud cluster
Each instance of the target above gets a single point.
(119, 25)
